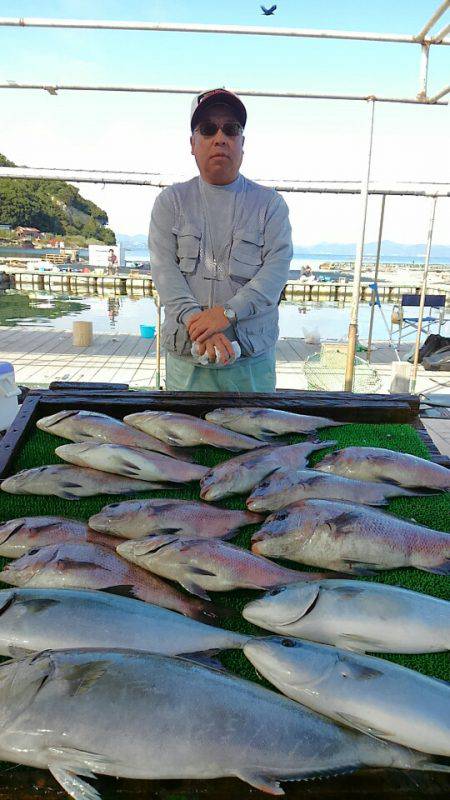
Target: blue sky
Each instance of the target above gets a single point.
(285, 139)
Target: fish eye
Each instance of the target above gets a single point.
(276, 591)
(34, 551)
(288, 643)
(114, 505)
(281, 515)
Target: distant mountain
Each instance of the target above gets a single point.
(51, 206)
(138, 241)
(388, 248)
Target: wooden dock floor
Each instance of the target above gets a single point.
(42, 355)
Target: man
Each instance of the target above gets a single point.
(113, 264)
(220, 250)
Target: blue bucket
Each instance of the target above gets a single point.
(148, 331)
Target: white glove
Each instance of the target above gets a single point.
(204, 360)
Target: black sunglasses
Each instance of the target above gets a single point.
(231, 129)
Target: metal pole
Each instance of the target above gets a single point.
(248, 30)
(440, 94)
(375, 277)
(353, 327)
(423, 78)
(413, 189)
(158, 342)
(441, 35)
(422, 297)
(54, 88)
(437, 14)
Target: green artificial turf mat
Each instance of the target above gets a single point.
(433, 511)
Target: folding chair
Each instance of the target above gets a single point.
(408, 324)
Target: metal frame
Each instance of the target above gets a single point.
(420, 39)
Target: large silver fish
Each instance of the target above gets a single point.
(184, 430)
(355, 615)
(71, 483)
(88, 566)
(265, 423)
(379, 464)
(369, 694)
(89, 426)
(326, 533)
(284, 487)
(18, 536)
(202, 565)
(40, 619)
(134, 519)
(140, 715)
(239, 475)
(130, 462)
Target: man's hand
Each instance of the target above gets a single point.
(204, 324)
(223, 345)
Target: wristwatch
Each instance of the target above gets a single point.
(230, 314)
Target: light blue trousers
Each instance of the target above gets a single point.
(255, 374)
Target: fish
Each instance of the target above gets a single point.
(352, 539)
(130, 462)
(354, 614)
(389, 466)
(266, 423)
(134, 519)
(18, 536)
(71, 483)
(87, 566)
(202, 565)
(37, 619)
(372, 695)
(90, 426)
(184, 430)
(241, 474)
(284, 488)
(148, 716)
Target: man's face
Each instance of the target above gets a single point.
(218, 157)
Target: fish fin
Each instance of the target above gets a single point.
(262, 782)
(265, 434)
(81, 677)
(194, 588)
(36, 604)
(440, 569)
(167, 532)
(350, 668)
(361, 644)
(362, 725)
(201, 571)
(123, 591)
(67, 495)
(73, 785)
(71, 485)
(205, 659)
(174, 440)
(355, 567)
(69, 563)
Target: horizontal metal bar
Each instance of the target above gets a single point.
(247, 30)
(57, 87)
(159, 181)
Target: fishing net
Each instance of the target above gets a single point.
(326, 371)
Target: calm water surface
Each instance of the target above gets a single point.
(124, 314)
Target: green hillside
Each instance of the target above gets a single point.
(52, 206)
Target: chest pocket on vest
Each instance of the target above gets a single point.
(188, 246)
(246, 255)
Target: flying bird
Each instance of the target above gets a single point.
(268, 11)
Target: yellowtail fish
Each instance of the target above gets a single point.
(154, 717)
